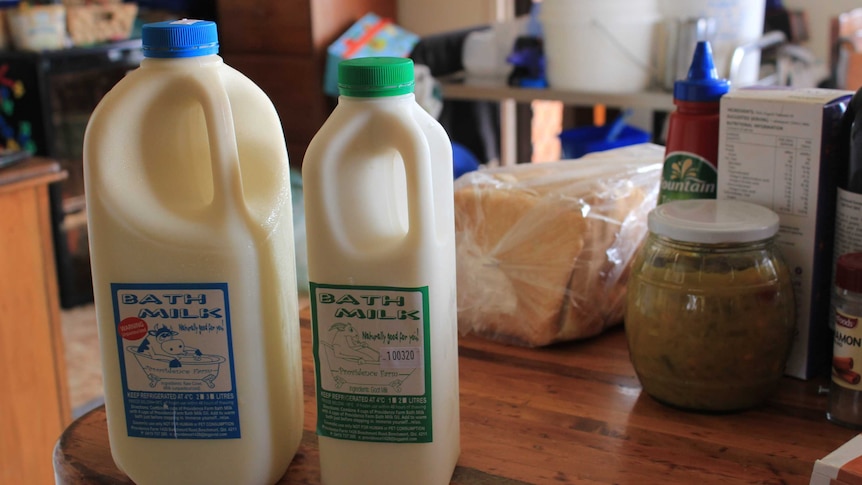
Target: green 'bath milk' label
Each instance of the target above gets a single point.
(687, 176)
(372, 354)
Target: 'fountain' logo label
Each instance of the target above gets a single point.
(687, 176)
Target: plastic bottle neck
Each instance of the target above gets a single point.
(402, 98)
(185, 62)
(697, 107)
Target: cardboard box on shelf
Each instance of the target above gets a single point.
(37, 27)
(841, 467)
(95, 23)
(778, 148)
(370, 36)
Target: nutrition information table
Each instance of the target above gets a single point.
(773, 167)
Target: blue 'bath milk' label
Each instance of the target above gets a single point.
(372, 353)
(176, 360)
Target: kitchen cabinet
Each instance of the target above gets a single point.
(34, 402)
(47, 98)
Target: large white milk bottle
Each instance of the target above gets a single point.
(377, 184)
(191, 239)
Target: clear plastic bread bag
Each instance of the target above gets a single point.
(543, 249)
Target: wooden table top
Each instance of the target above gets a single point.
(571, 413)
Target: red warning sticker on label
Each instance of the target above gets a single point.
(132, 328)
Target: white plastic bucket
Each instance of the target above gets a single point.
(737, 22)
(578, 10)
(599, 45)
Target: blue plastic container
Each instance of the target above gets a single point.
(463, 160)
(577, 142)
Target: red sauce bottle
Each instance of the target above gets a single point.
(691, 154)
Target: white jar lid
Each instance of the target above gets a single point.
(713, 221)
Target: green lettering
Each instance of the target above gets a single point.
(347, 299)
(345, 313)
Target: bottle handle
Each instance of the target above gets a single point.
(412, 144)
(208, 90)
(403, 134)
(228, 196)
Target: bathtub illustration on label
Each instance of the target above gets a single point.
(158, 367)
(351, 360)
(173, 360)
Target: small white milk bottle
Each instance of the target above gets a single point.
(191, 239)
(377, 183)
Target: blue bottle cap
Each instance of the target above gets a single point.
(702, 82)
(179, 38)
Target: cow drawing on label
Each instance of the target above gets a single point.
(350, 360)
(170, 359)
(347, 345)
(170, 346)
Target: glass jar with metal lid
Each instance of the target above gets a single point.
(710, 313)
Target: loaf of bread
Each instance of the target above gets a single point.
(543, 250)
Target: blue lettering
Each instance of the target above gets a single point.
(211, 313)
(157, 313)
(150, 298)
(202, 299)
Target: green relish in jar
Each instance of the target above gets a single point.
(710, 314)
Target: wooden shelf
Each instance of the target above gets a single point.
(463, 87)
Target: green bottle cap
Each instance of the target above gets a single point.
(375, 77)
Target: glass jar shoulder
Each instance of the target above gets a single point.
(710, 267)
